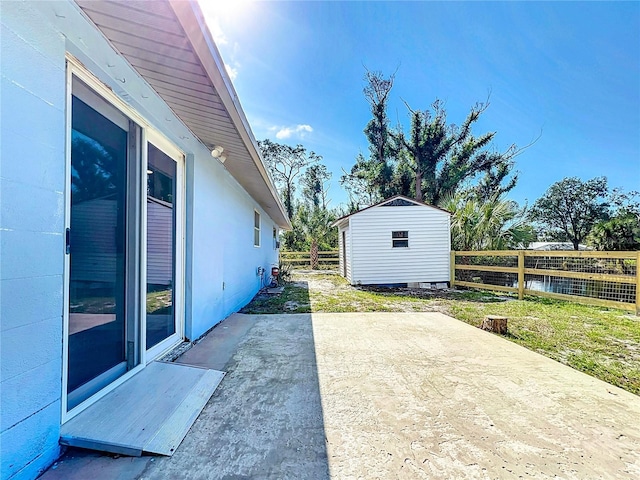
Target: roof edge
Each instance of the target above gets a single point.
(387, 200)
(190, 15)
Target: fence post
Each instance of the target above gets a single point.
(520, 274)
(638, 283)
(452, 267)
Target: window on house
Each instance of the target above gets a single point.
(256, 229)
(400, 239)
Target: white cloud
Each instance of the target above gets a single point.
(216, 30)
(288, 132)
(232, 71)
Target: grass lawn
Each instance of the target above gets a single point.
(599, 341)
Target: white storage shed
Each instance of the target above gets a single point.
(397, 241)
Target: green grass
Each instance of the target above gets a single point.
(601, 342)
(294, 299)
(159, 302)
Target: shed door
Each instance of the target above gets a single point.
(344, 253)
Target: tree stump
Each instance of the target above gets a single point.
(495, 324)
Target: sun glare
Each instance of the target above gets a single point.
(225, 9)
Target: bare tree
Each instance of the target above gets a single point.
(285, 164)
(376, 92)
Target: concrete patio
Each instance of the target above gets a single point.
(375, 395)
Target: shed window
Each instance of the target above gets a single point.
(400, 239)
(256, 229)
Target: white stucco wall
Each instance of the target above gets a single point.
(375, 261)
(219, 231)
(225, 262)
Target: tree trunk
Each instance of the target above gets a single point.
(288, 204)
(418, 185)
(495, 324)
(576, 244)
(313, 255)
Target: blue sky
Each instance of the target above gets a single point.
(568, 71)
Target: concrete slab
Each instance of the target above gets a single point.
(217, 349)
(415, 395)
(427, 396)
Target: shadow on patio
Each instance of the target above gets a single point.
(265, 419)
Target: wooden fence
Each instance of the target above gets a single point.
(610, 279)
(327, 260)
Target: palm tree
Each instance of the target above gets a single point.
(494, 224)
(315, 224)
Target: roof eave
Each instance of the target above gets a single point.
(417, 202)
(193, 22)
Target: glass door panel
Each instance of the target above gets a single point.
(161, 246)
(97, 245)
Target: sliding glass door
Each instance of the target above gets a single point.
(161, 246)
(124, 242)
(97, 245)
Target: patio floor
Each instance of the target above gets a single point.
(377, 395)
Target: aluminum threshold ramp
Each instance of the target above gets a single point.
(149, 413)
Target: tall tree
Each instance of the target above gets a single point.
(361, 183)
(620, 233)
(433, 159)
(446, 157)
(570, 208)
(376, 91)
(622, 230)
(313, 217)
(314, 185)
(285, 163)
(428, 143)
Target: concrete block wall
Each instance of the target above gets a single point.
(222, 261)
(31, 240)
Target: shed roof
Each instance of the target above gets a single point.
(387, 201)
(169, 44)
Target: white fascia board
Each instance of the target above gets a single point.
(193, 22)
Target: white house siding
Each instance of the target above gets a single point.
(374, 261)
(221, 261)
(159, 243)
(97, 263)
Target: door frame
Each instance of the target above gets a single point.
(344, 253)
(148, 134)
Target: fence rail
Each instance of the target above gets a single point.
(610, 279)
(327, 259)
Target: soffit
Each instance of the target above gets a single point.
(168, 44)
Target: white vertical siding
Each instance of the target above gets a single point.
(375, 261)
(341, 249)
(348, 246)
